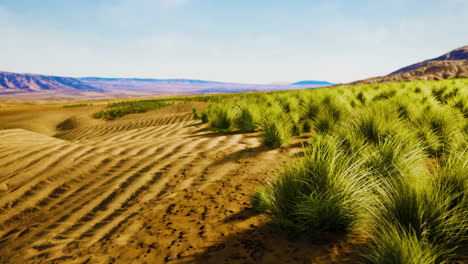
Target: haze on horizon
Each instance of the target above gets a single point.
(233, 41)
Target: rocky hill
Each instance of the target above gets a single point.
(19, 83)
(453, 64)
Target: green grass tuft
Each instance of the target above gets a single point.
(247, 117)
(320, 192)
(261, 200)
(393, 245)
(220, 116)
(440, 128)
(276, 131)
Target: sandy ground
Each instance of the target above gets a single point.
(45, 97)
(157, 187)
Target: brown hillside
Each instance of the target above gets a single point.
(448, 66)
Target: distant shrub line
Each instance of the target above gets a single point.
(76, 105)
(124, 108)
(120, 109)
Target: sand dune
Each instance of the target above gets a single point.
(147, 188)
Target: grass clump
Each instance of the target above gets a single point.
(427, 215)
(440, 128)
(461, 103)
(431, 211)
(324, 123)
(372, 126)
(396, 160)
(310, 108)
(276, 131)
(320, 192)
(196, 114)
(392, 245)
(385, 95)
(247, 117)
(260, 199)
(451, 180)
(220, 116)
(361, 98)
(332, 111)
(307, 126)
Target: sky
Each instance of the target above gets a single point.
(248, 41)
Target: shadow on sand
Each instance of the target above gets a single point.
(210, 133)
(241, 155)
(266, 244)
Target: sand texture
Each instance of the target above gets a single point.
(147, 188)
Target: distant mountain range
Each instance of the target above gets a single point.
(189, 86)
(453, 64)
(98, 79)
(12, 83)
(16, 83)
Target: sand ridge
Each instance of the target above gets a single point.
(148, 188)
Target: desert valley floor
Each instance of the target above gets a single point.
(147, 188)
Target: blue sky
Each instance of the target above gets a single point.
(252, 41)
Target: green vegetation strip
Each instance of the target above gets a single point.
(120, 109)
(124, 108)
(388, 160)
(75, 105)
